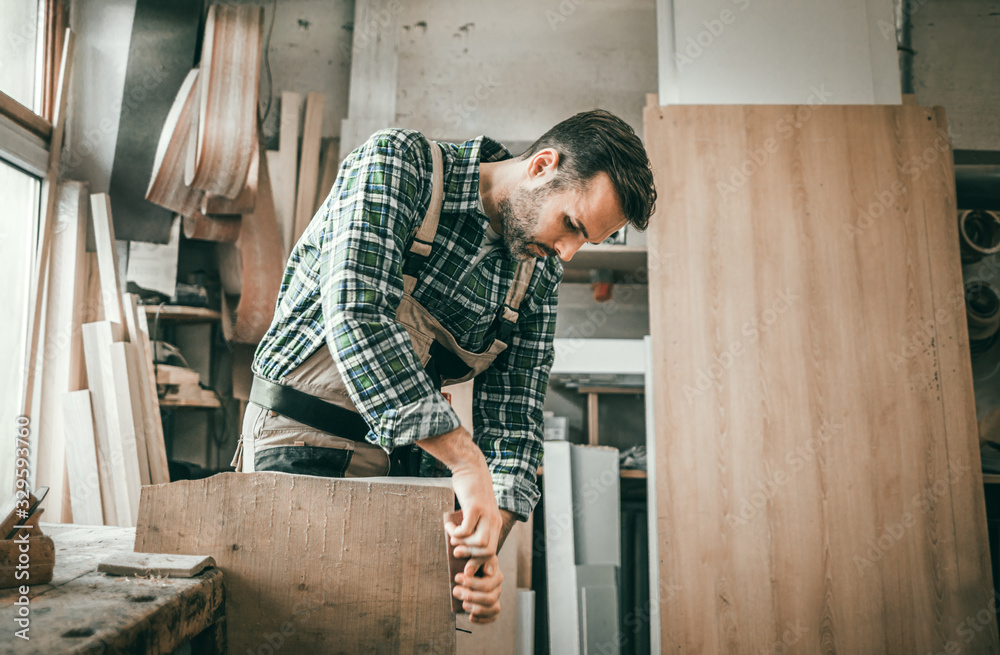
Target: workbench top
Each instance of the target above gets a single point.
(83, 611)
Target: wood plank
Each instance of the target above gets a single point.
(330, 599)
(126, 437)
(137, 384)
(227, 98)
(834, 466)
(107, 258)
(167, 374)
(159, 470)
(97, 340)
(312, 132)
(81, 458)
(593, 416)
(285, 167)
(24, 117)
(62, 354)
(167, 187)
(155, 564)
(49, 188)
(329, 166)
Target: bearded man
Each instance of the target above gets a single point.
(432, 264)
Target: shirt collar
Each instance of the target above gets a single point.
(463, 178)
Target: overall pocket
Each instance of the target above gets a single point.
(304, 460)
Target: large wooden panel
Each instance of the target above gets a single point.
(817, 481)
(328, 565)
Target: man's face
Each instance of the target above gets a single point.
(540, 222)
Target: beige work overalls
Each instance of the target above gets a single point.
(318, 376)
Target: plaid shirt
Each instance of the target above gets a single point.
(344, 282)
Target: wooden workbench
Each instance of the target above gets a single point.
(83, 611)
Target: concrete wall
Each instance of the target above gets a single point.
(957, 46)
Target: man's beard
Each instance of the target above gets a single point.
(519, 219)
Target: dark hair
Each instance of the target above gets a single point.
(598, 141)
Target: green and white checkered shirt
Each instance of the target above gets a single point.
(344, 281)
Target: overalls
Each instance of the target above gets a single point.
(272, 441)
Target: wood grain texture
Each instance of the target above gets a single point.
(107, 258)
(261, 264)
(156, 449)
(127, 437)
(817, 474)
(62, 354)
(83, 611)
(285, 167)
(49, 194)
(81, 459)
(167, 187)
(227, 100)
(312, 133)
(212, 228)
(346, 566)
(97, 340)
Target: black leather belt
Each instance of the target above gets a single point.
(308, 410)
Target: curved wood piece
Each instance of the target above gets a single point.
(213, 205)
(261, 261)
(212, 228)
(228, 88)
(166, 185)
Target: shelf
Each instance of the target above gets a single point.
(180, 314)
(991, 478)
(191, 404)
(628, 474)
(627, 259)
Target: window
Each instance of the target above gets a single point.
(23, 152)
(21, 51)
(21, 195)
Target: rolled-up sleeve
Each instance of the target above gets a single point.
(380, 195)
(508, 399)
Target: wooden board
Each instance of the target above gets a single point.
(817, 474)
(62, 354)
(329, 166)
(49, 194)
(167, 187)
(312, 132)
(368, 571)
(107, 258)
(155, 564)
(81, 458)
(97, 340)
(127, 437)
(227, 99)
(166, 374)
(285, 167)
(159, 471)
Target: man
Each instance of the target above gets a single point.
(432, 264)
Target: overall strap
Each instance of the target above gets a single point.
(508, 313)
(420, 249)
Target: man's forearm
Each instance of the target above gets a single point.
(509, 519)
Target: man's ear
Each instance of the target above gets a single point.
(543, 164)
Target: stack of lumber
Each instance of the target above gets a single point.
(117, 442)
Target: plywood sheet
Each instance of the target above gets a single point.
(817, 475)
(332, 565)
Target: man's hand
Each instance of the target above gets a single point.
(480, 594)
(479, 535)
